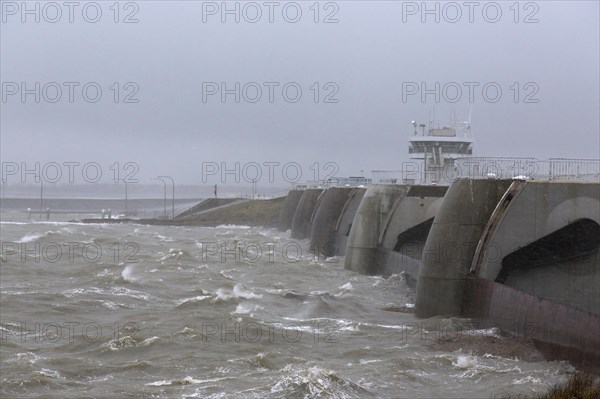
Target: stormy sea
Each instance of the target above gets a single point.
(134, 311)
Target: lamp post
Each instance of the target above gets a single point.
(41, 195)
(253, 188)
(173, 194)
(126, 208)
(165, 194)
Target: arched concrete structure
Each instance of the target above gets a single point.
(451, 244)
(402, 240)
(523, 246)
(421, 203)
(371, 217)
(325, 218)
(286, 216)
(523, 257)
(304, 212)
(346, 218)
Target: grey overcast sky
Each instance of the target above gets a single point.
(543, 55)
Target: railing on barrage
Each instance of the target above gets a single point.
(527, 168)
(387, 176)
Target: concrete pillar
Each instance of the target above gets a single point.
(346, 218)
(451, 244)
(323, 226)
(420, 204)
(304, 211)
(372, 214)
(289, 208)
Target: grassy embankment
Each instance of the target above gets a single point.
(250, 213)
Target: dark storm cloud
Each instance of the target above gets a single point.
(165, 115)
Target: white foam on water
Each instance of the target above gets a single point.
(49, 373)
(238, 292)
(489, 332)
(111, 305)
(30, 237)
(164, 238)
(118, 291)
(160, 383)
(465, 361)
(185, 381)
(173, 253)
(527, 380)
(315, 382)
(246, 308)
(121, 343)
(224, 274)
(149, 341)
(195, 299)
(347, 287)
(127, 274)
(364, 361)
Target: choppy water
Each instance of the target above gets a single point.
(160, 314)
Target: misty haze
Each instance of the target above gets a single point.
(341, 199)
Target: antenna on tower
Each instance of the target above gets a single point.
(467, 124)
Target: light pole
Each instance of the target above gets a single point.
(173, 194)
(41, 195)
(165, 194)
(126, 208)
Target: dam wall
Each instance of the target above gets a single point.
(346, 219)
(286, 217)
(390, 229)
(545, 243)
(324, 216)
(557, 330)
(324, 221)
(451, 243)
(402, 240)
(303, 213)
(540, 238)
(522, 256)
(371, 218)
(518, 253)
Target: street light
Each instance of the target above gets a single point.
(253, 188)
(41, 195)
(165, 194)
(173, 194)
(125, 181)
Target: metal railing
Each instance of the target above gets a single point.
(527, 168)
(388, 176)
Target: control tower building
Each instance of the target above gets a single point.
(438, 148)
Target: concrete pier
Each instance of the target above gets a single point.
(304, 211)
(545, 242)
(403, 238)
(371, 217)
(451, 244)
(522, 256)
(290, 205)
(346, 218)
(324, 221)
